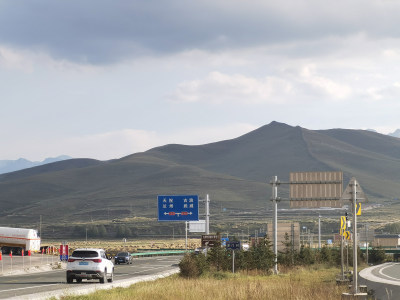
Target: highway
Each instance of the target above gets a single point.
(43, 285)
(383, 281)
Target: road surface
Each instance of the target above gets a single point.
(43, 285)
(382, 281)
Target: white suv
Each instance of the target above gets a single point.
(89, 264)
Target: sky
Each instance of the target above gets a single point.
(105, 79)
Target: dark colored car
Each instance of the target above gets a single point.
(123, 258)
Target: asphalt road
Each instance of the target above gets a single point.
(382, 281)
(43, 285)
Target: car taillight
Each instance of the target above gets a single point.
(71, 260)
(97, 260)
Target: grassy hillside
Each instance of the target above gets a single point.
(274, 149)
(115, 189)
(236, 174)
(361, 154)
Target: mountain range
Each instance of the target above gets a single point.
(7, 166)
(395, 133)
(235, 173)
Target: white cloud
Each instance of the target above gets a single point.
(301, 63)
(384, 94)
(281, 88)
(326, 86)
(218, 88)
(14, 59)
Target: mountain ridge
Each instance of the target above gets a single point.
(235, 172)
(7, 166)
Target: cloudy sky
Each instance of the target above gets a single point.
(104, 79)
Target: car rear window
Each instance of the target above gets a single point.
(85, 253)
(123, 254)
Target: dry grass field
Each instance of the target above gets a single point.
(131, 245)
(296, 284)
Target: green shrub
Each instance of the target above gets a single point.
(377, 255)
(192, 265)
(219, 258)
(261, 257)
(306, 256)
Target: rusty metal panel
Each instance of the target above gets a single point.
(315, 189)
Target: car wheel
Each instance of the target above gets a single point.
(111, 277)
(79, 280)
(70, 279)
(103, 278)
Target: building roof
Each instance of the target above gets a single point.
(387, 236)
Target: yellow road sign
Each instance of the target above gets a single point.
(343, 223)
(347, 235)
(358, 209)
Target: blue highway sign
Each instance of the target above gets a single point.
(178, 208)
(233, 245)
(224, 240)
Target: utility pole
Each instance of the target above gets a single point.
(319, 231)
(207, 214)
(366, 241)
(40, 227)
(292, 242)
(274, 199)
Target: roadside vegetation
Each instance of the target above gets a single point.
(304, 274)
(299, 283)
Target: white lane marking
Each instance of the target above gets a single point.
(381, 272)
(147, 269)
(367, 274)
(146, 266)
(29, 287)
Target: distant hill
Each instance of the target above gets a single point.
(235, 173)
(7, 166)
(395, 133)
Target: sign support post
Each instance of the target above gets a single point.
(233, 261)
(342, 254)
(354, 192)
(233, 245)
(355, 274)
(186, 232)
